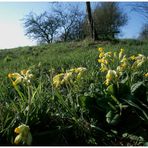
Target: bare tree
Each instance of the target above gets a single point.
(42, 28)
(70, 19)
(90, 21)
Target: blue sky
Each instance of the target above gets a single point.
(12, 31)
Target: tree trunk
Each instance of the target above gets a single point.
(90, 21)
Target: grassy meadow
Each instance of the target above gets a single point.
(90, 107)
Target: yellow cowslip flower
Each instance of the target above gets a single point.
(18, 78)
(18, 139)
(57, 80)
(122, 50)
(111, 75)
(132, 57)
(67, 76)
(103, 60)
(100, 49)
(24, 135)
(79, 76)
(101, 55)
(14, 75)
(139, 63)
(139, 60)
(24, 72)
(121, 53)
(25, 76)
(124, 59)
(103, 67)
(119, 69)
(100, 60)
(140, 56)
(71, 70)
(80, 69)
(107, 81)
(124, 66)
(146, 75)
(108, 54)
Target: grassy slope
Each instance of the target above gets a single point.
(58, 56)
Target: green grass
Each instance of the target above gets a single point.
(77, 113)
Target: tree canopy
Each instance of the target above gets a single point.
(68, 23)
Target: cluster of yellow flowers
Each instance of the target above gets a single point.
(139, 60)
(104, 59)
(24, 135)
(108, 59)
(17, 78)
(69, 76)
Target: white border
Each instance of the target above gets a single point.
(73, 0)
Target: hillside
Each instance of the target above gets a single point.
(80, 111)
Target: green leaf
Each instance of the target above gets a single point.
(135, 87)
(125, 80)
(112, 118)
(82, 100)
(139, 91)
(110, 89)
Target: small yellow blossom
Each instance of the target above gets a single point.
(24, 135)
(107, 81)
(100, 49)
(111, 75)
(67, 76)
(121, 53)
(80, 69)
(132, 57)
(26, 75)
(122, 50)
(103, 67)
(119, 68)
(17, 78)
(71, 70)
(146, 75)
(101, 55)
(18, 139)
(80, 72)
(139, 60)
(124, 59)
(108, 54)
(103, 60)
(57, 80)
(17, 130)
(14, 75)
(24, 72)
